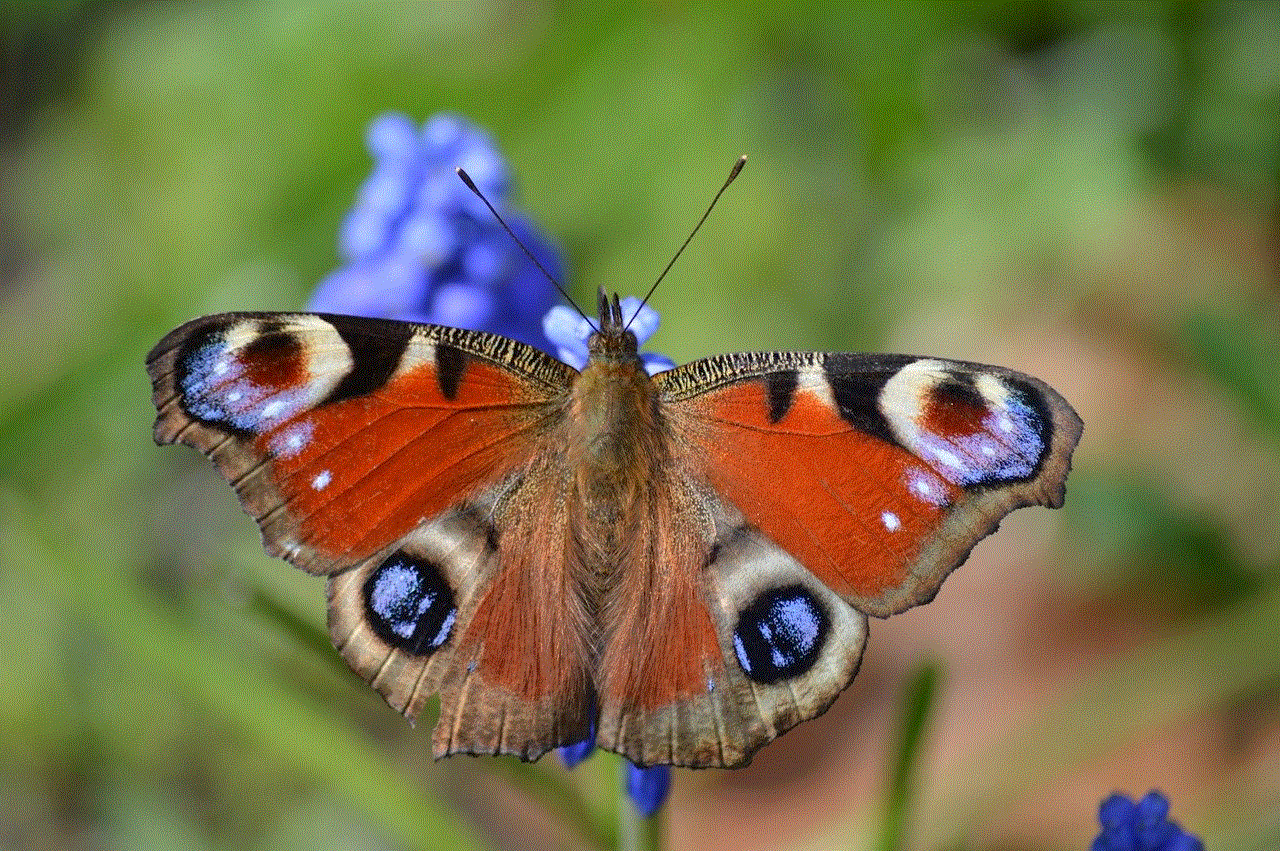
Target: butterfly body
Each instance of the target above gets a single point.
(686, 561)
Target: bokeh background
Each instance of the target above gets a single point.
(1083, 191)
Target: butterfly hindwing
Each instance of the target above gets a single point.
(480, 618)
(779, 648)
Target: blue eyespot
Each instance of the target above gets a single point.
(409, 604)
(781, 634)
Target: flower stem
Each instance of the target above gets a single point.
(917, 704)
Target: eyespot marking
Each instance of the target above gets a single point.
(972, 428)
(780, 634)
(249, 376)
(409, 604)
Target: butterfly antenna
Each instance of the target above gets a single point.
(733, 173)
(466, 178)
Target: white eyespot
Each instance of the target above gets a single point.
(321, 481)
(221, 367)
(234, 396)
(891, 521)
(271, 409)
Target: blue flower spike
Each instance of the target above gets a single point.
(1144, 826)
(419, 246)
(648, 787)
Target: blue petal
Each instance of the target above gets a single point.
(420, 246)
(384, 287)
(1116, 810)
(484, 262)
(1143, 826)
(429, 237)
(1185, 842)
(363, 233)
(1152, 809)
(640, 320)
(563, 327)
(655, 363)
(392, 136)
(462, 305)
(571, 755)
(648, 787)
(388, 189)
(443, 133)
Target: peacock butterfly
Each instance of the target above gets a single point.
(684, 563)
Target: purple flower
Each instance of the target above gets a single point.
(419, 246)
(1143, 826)
(648, 787)
(568, 330)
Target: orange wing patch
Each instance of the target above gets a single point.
(365, 470)
(804, 481)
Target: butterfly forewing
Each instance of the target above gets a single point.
(341, 434)
(877, 472)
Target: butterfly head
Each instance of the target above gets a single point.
(612, 342)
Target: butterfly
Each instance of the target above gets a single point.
(683, 563)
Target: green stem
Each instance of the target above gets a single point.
(917, 704)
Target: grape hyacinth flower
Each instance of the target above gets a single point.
(568, 330)
(420, 246)
(648, 787)
(1143, 826)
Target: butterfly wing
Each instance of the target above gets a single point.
(832, 486)
(879, 473)
(409, 464)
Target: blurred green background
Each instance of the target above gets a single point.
(1083, 191)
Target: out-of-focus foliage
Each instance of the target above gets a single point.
(1084, 191)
